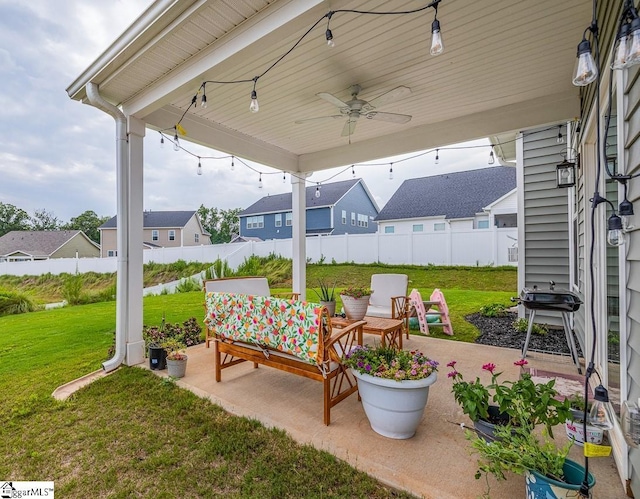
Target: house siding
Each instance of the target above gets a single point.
(632, 160)
(546, 239)
(79, 244)
(356, 201)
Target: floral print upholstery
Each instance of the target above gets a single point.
(289, 326)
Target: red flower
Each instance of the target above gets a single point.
(452, 364)
(521, 362)
(489, 367)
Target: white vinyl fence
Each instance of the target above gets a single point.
(473, 247)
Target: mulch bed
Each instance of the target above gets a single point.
(499, 332)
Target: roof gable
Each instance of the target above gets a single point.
(157, 219)
(452, 195)
(37, 243)
(330, 194)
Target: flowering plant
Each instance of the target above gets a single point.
(356, 291)
(511, 397)
(174, 349)
(390, 363)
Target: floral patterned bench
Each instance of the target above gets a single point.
(291, 335)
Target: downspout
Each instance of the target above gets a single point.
(122, 168)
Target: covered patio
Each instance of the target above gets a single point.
(436, 463)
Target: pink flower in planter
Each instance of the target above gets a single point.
(521, 362)
(489, 367)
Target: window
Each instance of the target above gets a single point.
(278, 218)
(255, 222)
(439, 226)
(418, 227)
(112, 253)
(389, 229)
(196, 238)
(344, 217)
(288, 219)
(512, 254)
(155, 235)
(363, 220)
(172, 235)
(483, 224)
(353, 218)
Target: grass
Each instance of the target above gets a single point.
(133, 434)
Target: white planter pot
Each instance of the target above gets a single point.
(575, 432)
(355, 308)
(176, 368)
(394, 408)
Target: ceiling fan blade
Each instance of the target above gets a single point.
(349, 128)
(332, 99)
(321, 118)
(390, 117)
(390, 96)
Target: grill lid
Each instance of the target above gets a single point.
(550, 299)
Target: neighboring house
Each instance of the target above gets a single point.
(29, 245)
(162, 229)
(461, 201)
(345, 207)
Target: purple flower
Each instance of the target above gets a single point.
(452, 374)
(489, 367)
(452, 364)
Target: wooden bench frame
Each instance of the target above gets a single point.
(337, 380)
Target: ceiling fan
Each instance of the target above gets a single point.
(356, 108)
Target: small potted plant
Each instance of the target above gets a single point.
(490, 405)
(394, 387)
(516, 446)
(574, 425)
(176, 357)
(327, 296)
(355, 300)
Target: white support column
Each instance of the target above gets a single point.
(299, 250)
(135, 343)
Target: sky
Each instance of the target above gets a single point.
(58, 155)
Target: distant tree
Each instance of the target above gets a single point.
(88, 222)
(44, 220)
(12, 218)
(221, 224)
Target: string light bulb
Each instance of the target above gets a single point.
(176, 143)
(560, 139)
(391, 171)
(437, 46)
(353, 172)
(161, 141)
(621, 48)
(203, 101)
(615, 233)
(318, 190)
(260, 182)
(598, 415)
(437, 156)
(233, 165)
(328, 34)
(254, 107)
(633, 43)
(492, 159)
(284, 178)
(585, 70)
(199, 170)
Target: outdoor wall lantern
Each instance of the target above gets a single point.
(566, 174)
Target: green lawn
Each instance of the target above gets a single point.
(132, 433)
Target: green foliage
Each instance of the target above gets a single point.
(356, 291)
(219, 268)
(522, 326)
(326, 293)
(15, 303)
(494, 310)
(72, 288)
(221, 224)
(187, 334)
(390, 363)
(12, 218)
(88, 222)
(188, 285)
(275, 268)
(44, 220)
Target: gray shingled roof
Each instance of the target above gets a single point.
(34, 242)
(454, 195)
(330, 194)
(154, 219)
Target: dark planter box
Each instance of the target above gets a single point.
(157, 358)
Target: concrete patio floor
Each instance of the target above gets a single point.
(435, 463)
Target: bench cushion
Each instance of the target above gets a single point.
(289, 326)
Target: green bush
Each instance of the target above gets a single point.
(522, 325)
(188, 285)
(14, 303)
(494, 310)
(189, 333)
(72, 289)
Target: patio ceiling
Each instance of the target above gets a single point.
(507, 66)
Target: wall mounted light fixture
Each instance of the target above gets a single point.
(566, 174)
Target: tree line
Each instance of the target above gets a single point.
(221, 224)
